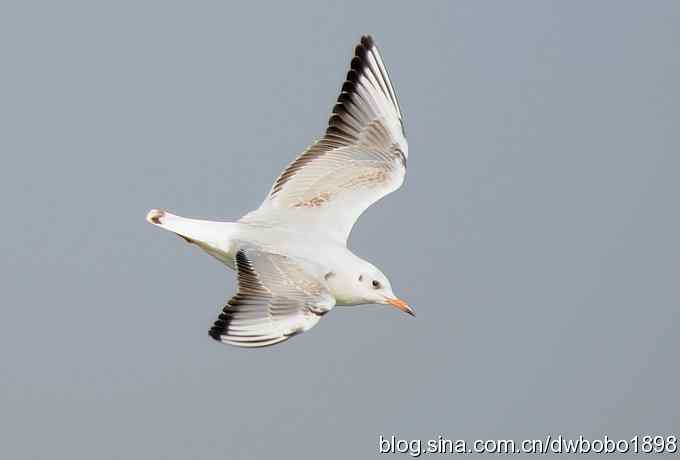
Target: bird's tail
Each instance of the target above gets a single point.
(201, 232)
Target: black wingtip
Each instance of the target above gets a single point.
(218, 329)
(367, 41)
(215, 334)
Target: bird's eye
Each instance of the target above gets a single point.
(361, 278)
(376, 284)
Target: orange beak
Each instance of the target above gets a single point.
(401, 305)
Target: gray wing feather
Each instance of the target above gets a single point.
(276, 299)
(360, 159)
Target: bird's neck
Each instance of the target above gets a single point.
(342, 279)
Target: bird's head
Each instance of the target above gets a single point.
(376, 288)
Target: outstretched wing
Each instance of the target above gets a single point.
(276, 299)
(360, 159)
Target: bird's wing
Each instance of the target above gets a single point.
(277, 298)
(360, 159)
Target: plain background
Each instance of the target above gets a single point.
(536, 234)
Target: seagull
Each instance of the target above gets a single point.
(290, 254)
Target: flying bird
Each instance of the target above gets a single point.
(290, 254)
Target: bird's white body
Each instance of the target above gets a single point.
(291, 254)
(328, 258)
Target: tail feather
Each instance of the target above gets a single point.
(213, 237)
(191, 229)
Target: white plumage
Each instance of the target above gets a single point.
(291, 253)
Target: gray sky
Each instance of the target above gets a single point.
(536, 234)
